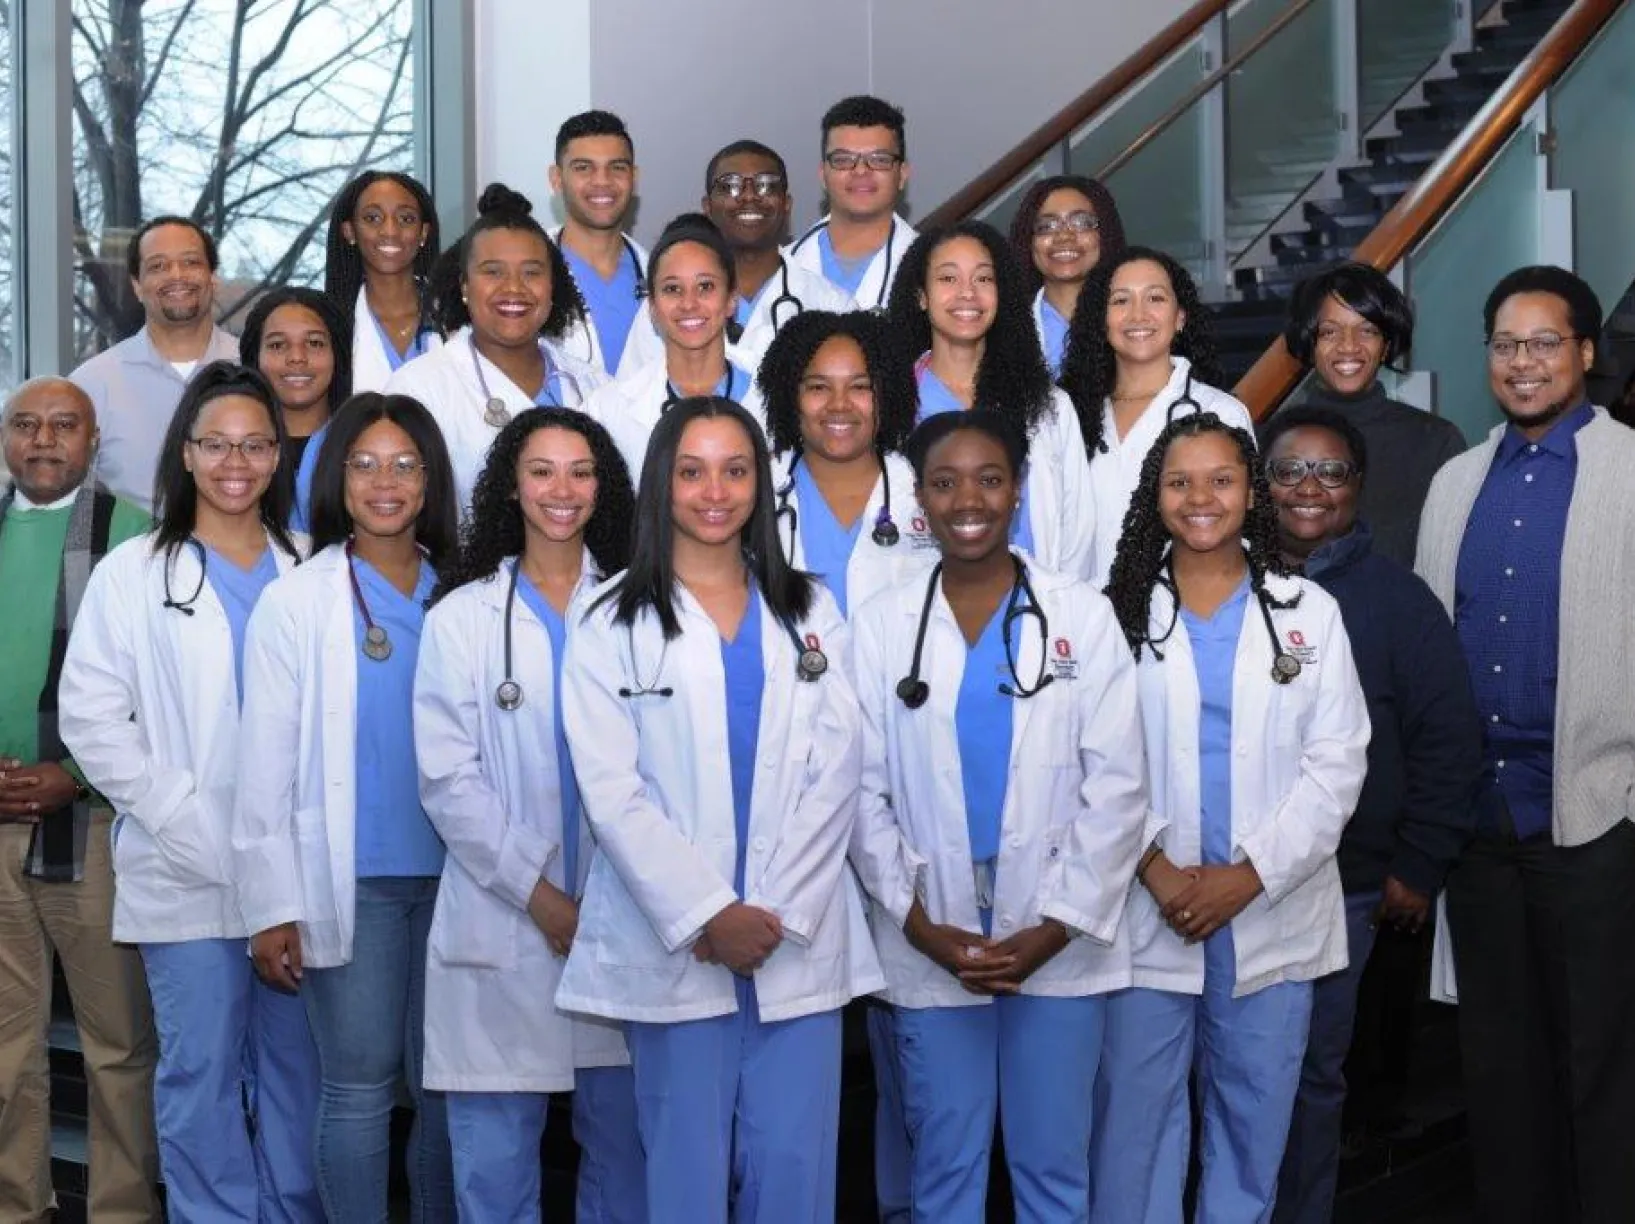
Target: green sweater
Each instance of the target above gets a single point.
(31, 544)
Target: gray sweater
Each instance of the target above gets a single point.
(1595, 682)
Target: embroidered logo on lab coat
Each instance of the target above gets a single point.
(1062, 663)
(1299, 649)
(920, 538)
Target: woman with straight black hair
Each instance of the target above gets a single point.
(715, 738)
(383, 241)
(302, 345)
(336, 861)
(149, 707)
(1064, 226)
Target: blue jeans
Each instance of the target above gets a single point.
(369, 1020)
(1311, 1163)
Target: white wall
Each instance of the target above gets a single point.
(973, 76)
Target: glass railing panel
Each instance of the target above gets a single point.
(1160, 193)
(998, 211)
(1495, 227)
(1397, 40)
(1093, 147)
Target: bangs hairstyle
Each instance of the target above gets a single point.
(495, 529)
(337, 324)
(1366, 290)
(1313, 416)
(1583, 307)
(133, 252)
(783, 369)
(1012, 378)
(176, 496)
(1089, 365)
(1142, 560)
(865, 110)
(500, 208)
(1111, 231)
(650, 580)
(745, 146)
(436, 529)
(945, 425)
(592, 123)
(692, 227)
(343, 264)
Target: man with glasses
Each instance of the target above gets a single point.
(56, 877)
(860, 243)
(1424, 754)
(1529, 541)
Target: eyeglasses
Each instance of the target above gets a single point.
(1080, 222)
(1330, 473)
(874, 159)
(254, 450)
(733, 186)
(406, 468)
(1543, 346)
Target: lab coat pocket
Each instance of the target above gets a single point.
(471, 926)
(190, 845)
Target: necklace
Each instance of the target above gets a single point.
(1130, 396)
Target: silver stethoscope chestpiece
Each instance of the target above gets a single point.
(508, 696)
(376, 644)
(1285, 667)
(495, 413)
(813, 663)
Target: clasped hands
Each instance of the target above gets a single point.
(1198, 901)
(982, 964)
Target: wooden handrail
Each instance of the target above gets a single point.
(1275, 374)
(1075, 114)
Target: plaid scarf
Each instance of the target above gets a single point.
(56, 851)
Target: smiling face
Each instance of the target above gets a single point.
(837, 418)
(387, 227)
(296, 356)
(969, 494)
(50, 436)
(174, 282)
(1309, 513)
(861, 193)
(1534, 390)
(596, 177)
(384, 503)
(691, 302)
(1068, 255)
(232, 485)
(1143, 315)
(556, 485)
(507, 286)
(961, 294)
(712, 486)
(1204, 493)
(1348, 350)
(750, 221)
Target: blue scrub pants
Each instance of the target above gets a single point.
(1247, 1053)
(732, 1107)
(1030, 1060)
(893, 1169)
(231, 1051)
(496, 1138)
(369, 1022)
(1311, 1165)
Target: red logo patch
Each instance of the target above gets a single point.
(1064, 648)
(1296, 638)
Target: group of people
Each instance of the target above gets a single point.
(540, 664)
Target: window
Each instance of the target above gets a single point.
(245, 115)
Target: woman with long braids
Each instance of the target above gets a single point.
(505, 299)
(1064, 226)
(714, 733)
(383, 242)
(1140, 352)
(550, 518)
(1256, 733)
(959, 312)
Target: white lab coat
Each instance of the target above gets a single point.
(1299, 753)
(371, 366)
(810, 290)
(1115, 474)
(630, 406)
(581, 341)
(148, 706)
(653, 772)
(1061, 512)
(873, 567)
(874, 291)
(295, 816)
(446, 382)
(488, 779)
(1075, 803)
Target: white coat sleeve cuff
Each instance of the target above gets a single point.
(267, 895)
(1080, 925)
(165, 799)
(686, 929)
(524, 855)
(1259, 848)
(1154, 830)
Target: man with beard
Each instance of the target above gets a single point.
(136, 384)
(1529, 541)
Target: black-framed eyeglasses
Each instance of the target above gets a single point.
(733, 186)
(1330, 473)
(1081, 222)
(1543, 346)
(253, 449)
(874, 159)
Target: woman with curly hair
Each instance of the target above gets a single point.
(1256, 733)
(1140, 352)
(505, 298)
(1064, 226)
(383, 241)
(959, 313)
(550, 518)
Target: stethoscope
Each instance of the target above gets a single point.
(913, 691)
(672, 397)
(879, 306)
(785, 299)
(1184, 401)
(1285, 667)
(377, 646)
(185, 606)
(495, 413)
(884, 534)
(810, 664)
(508, 693)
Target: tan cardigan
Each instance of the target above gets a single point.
(1595, 682)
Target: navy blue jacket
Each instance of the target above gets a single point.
(1425, 754)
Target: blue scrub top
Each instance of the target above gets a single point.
(301, 511)
(394, 359)
(558, 631)
(611, 304)
(745, 682)
(1055, 335)
(394, 835)
(238, 589)
(982, 725)
(936, 398)
(550, 391)
(848, 274)
(826, 544)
